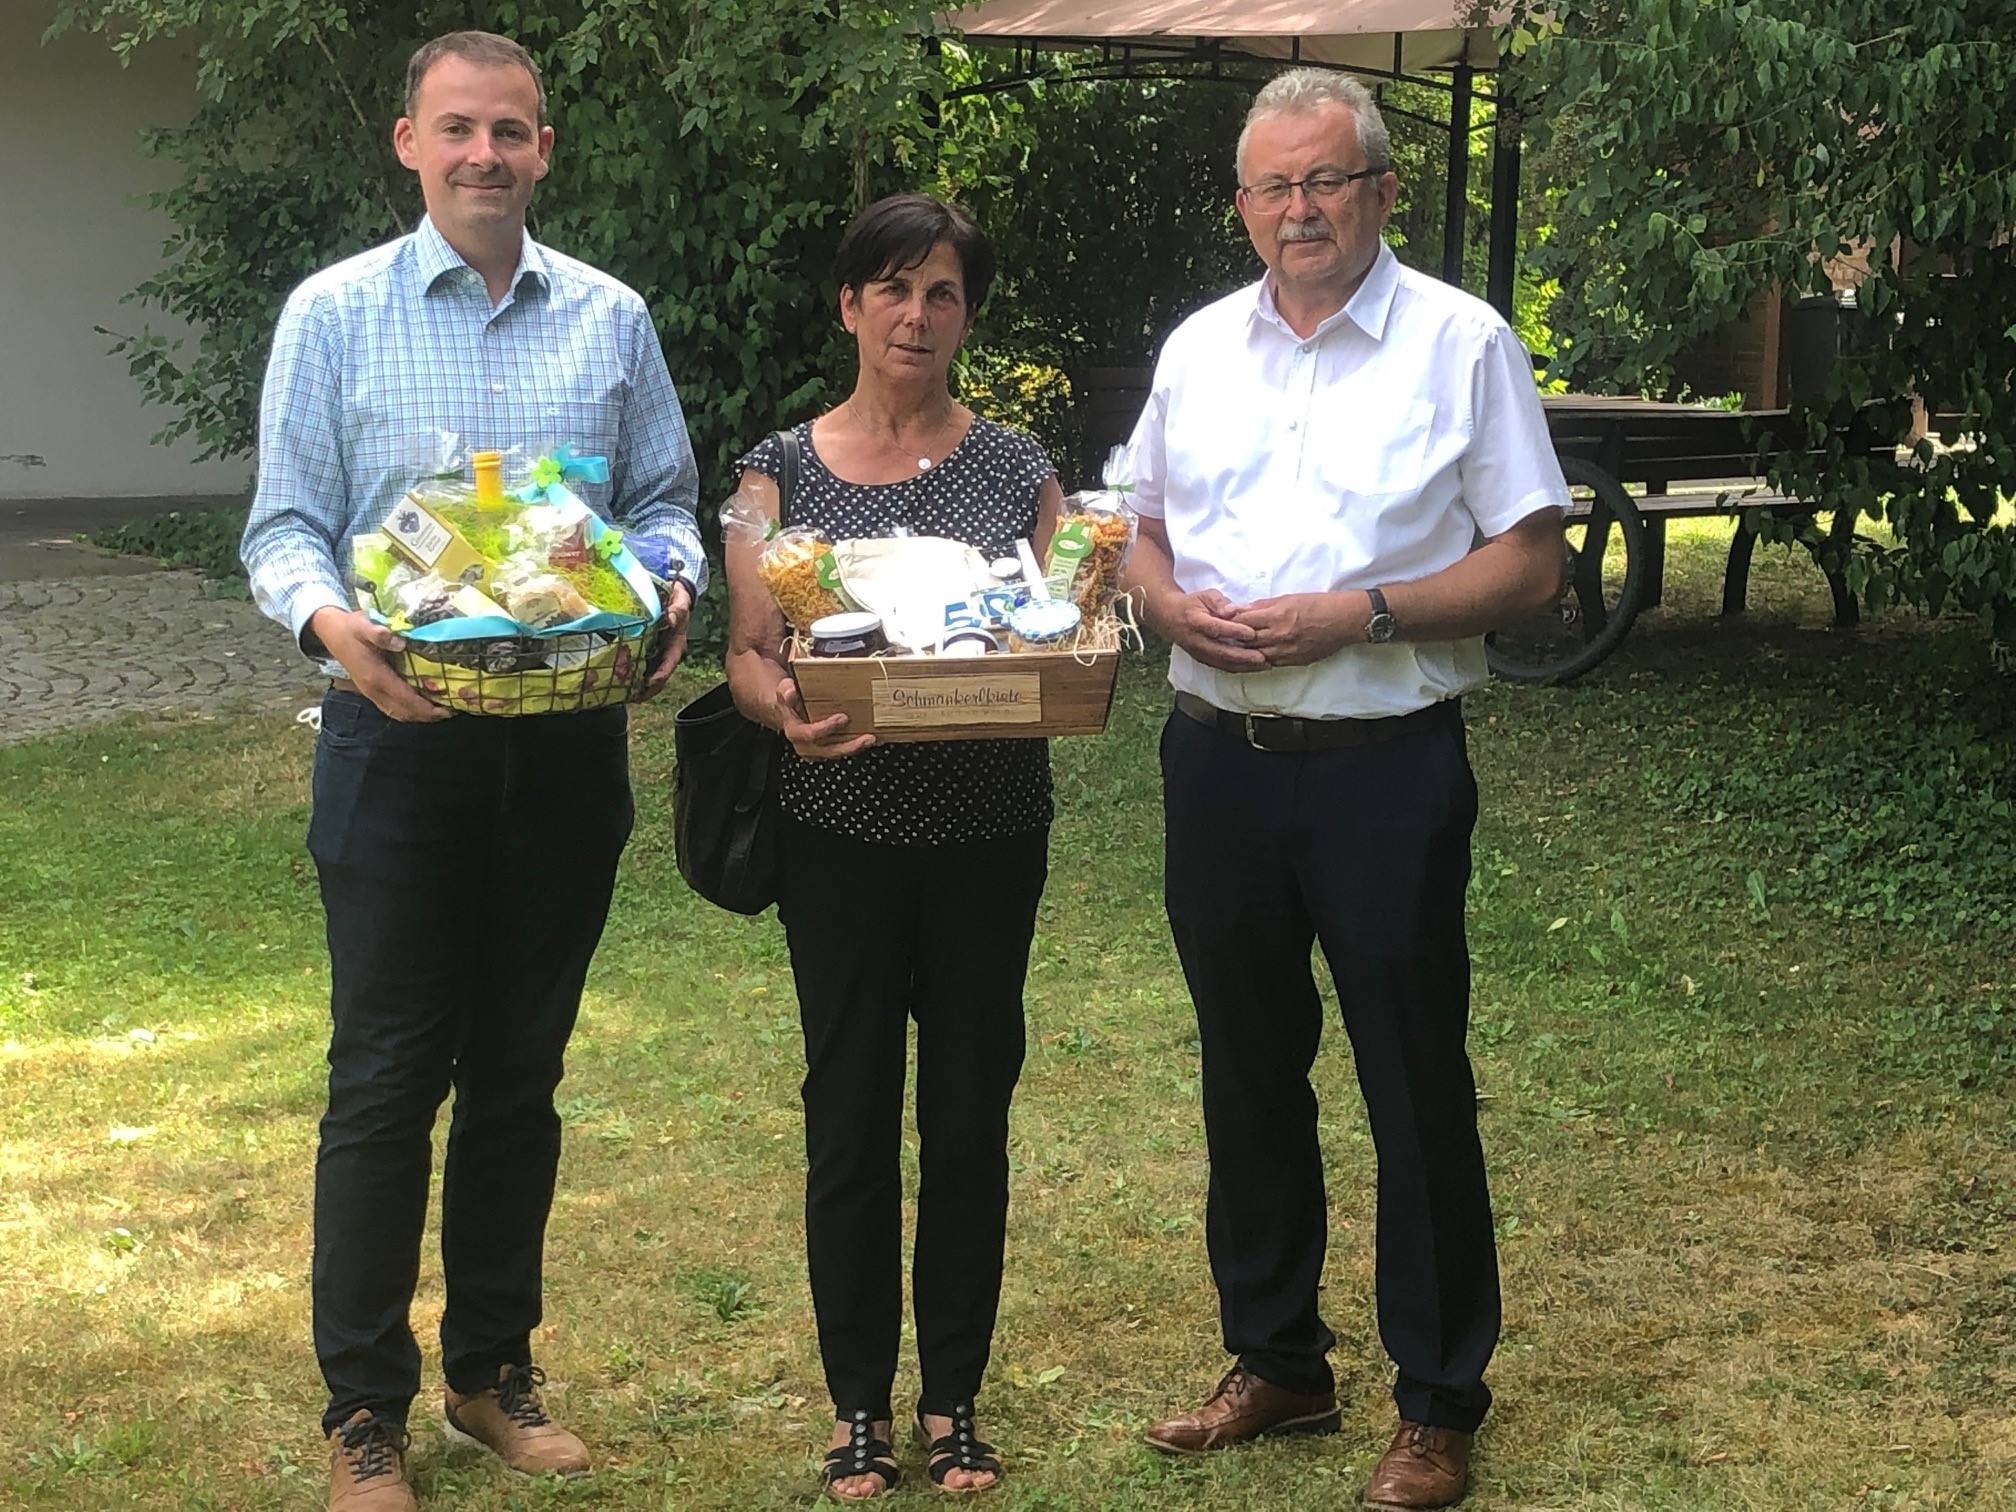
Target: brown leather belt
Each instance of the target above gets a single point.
(1287, 733)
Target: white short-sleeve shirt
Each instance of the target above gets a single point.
(1387, 446)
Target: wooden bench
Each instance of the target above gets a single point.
(1687, 461)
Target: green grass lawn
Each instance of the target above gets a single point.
(1744, 1024)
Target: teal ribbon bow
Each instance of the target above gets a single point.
(553, 472)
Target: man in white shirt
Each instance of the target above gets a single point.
(1344, 479)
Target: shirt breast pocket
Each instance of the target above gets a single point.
(1376, 446)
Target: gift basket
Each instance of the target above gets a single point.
(512, 595)
(922, 638)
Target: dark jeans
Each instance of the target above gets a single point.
(1367, 852)
(880, 935)
(466, 868)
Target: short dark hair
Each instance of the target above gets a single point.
(899, 232)
(473, 47)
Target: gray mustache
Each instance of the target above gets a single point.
(1309, 230)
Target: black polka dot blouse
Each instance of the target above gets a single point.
(940, 792)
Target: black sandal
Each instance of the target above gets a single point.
(961, 1449)
(862, 1454)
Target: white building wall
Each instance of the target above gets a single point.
(73, 241)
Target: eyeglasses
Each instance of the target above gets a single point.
(1273, 193)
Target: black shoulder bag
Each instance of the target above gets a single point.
(724, 781)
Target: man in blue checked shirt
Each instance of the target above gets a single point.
(466, 863)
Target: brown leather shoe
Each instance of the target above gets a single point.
(367, 1466)
(1245, 1407)
(508, 1420)
(1422, 1467)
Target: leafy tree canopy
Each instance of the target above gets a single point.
(1707, 150)
(707, 155)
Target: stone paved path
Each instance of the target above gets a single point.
(74, 651)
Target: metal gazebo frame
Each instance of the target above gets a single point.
(1249, 40)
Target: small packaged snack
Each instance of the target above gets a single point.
(539, 598)
(420, 600)
(423, 533)
(377, 572)
(554, 534)
(372, 560)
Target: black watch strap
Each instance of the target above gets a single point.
(1379, 629)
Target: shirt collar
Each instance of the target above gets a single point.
(436, 259)
(1368, 308)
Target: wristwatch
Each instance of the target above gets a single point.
(674, 576)
(1379, 629)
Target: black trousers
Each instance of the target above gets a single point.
(466, 869)
(1365, 851)
(880, 935)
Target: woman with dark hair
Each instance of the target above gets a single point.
(910, 873)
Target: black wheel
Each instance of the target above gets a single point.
(1605, 587)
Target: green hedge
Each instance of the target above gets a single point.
(203, 539)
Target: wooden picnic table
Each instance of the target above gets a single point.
(1686, 460)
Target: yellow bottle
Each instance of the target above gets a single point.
(489, 467)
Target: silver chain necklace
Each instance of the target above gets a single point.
(923, 462)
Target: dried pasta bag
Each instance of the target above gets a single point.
(796, 565)
(1095, 533)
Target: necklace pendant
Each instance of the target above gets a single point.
(923, 463)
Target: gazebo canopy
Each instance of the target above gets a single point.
(1384, 37)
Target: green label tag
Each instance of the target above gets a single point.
(829, 579)
(1070, 546)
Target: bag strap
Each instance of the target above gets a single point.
(756, 775)
(787, 476)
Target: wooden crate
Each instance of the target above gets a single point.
(1011, 694)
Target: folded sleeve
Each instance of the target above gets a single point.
(1509, 470)
(655, 479)
(1148, 448)
(300, 511)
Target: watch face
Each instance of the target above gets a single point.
(1379, 630)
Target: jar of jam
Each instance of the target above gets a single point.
(1044, 625)
(851, 634)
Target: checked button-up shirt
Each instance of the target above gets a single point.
(378, 356)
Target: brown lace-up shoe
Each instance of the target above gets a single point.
(1422, 1467)
(508, 1420)
(367, 1466)
(1245, 1407)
